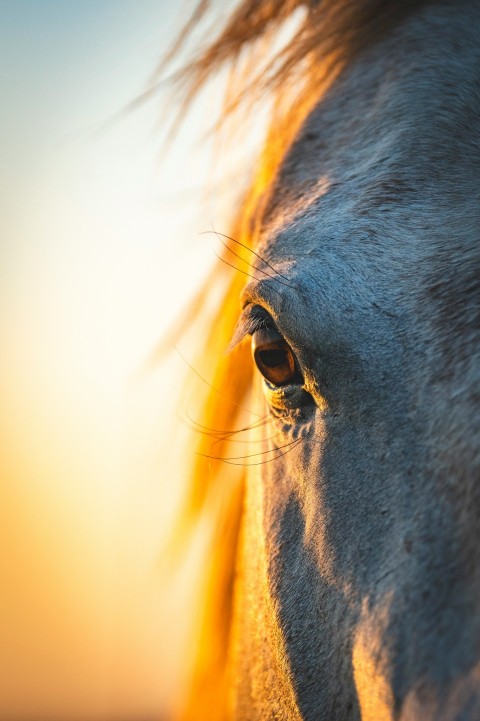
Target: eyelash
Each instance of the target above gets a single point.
(261, 324)
(259, 321)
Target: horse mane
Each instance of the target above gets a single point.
(324, 36)
(328, 33)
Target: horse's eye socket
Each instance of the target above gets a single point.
(274, 357)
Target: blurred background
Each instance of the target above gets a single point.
(100, 253)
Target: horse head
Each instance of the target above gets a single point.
(358, 582)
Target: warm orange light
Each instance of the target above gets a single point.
(373, 689)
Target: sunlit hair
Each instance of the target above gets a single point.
(284, 53)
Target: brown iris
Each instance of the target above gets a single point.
(274, 357)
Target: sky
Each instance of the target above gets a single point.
(100, 251)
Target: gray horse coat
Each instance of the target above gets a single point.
(359, 580)
(357, 592)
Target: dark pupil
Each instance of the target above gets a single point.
(273, 358)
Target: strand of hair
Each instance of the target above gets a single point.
(229, 400)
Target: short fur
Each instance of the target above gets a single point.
(357, 591)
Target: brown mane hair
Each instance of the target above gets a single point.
(328, 34)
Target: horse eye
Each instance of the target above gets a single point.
(274, 357)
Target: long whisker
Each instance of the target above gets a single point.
(219, 436)
(249, 275)
(263, 420)
(290, 446)
(260, 463)
(226, 436)
(242, 245)
(229, 400)
(250, 440)
(261, 453)
(255, 267)
(227, 439)
(217, 439)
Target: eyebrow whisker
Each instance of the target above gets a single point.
(255, 267)
(242, 245)
(243, 271)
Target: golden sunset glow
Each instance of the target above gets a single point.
(101, 253)
(103, 259)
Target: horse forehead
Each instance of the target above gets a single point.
(387, 198)
(345, 229)
(390, 154)
(367, 241)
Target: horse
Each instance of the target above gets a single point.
(344, 575)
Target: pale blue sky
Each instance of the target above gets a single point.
(99, 251)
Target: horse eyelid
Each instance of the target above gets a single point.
(253, 318)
